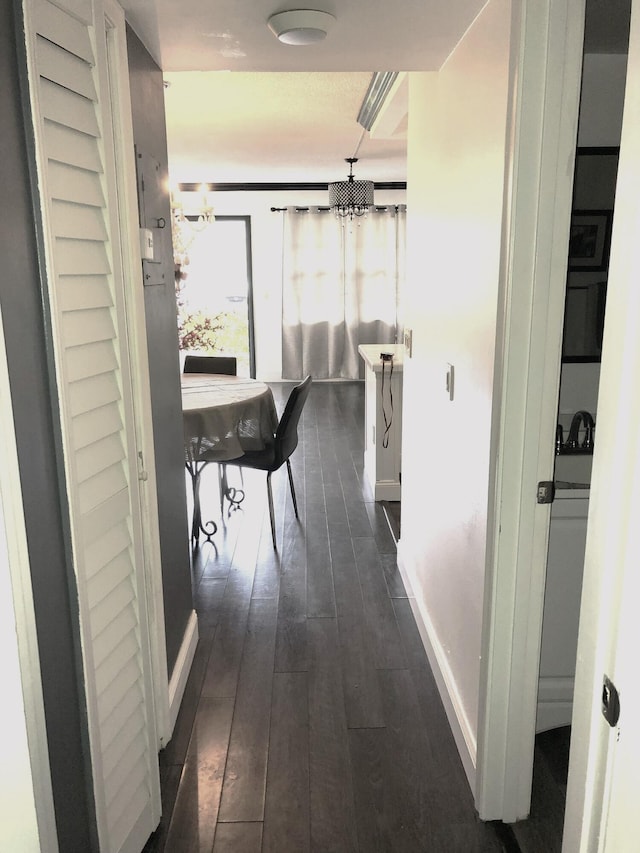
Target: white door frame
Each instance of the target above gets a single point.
(27, 813)
(138, 356)
(539, 184)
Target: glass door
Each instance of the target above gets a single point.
(214, 291)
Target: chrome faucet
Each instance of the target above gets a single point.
(585, 419)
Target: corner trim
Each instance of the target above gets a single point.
(542, 125)
(182, 668)
(447, 688)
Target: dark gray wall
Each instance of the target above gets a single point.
(43, 490)
(150, 136)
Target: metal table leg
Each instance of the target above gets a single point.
(195, 470)
(233, 495)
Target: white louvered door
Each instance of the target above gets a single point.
(72, 87)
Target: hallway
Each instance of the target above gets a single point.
(311, 720)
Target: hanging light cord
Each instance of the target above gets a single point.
(355, 153)
(387, 421)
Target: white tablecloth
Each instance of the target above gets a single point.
(224, 416)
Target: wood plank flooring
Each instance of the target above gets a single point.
(542, 831)
(311, 720)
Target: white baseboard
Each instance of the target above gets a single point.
(555, 702)
(462, 732)
(182, 668)
(387, 490)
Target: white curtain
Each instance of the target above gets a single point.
(342, 286)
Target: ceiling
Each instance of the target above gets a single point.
(278, 127)
(232, 35)
(242, 107)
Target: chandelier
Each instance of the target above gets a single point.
(351, 198)
(185, 227)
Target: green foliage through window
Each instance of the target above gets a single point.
(225, 332)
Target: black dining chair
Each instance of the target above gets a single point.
(227, 364)
(280, 449)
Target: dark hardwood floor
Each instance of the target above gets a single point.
(392, 511)
(311, 720)
(542, 831)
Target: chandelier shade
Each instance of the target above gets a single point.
(351, 198)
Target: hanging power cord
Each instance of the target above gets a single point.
(386, 358)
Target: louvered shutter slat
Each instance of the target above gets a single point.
(103, 584)
(63, 106)
(88, 327)
(99, 456)
(70, 183)
(65, 30)
(78, 221)
(83, 257)
(98, 432)
(61, 67)
(78, 292)
(65, 145)
(91, 359)
(91, 492)
(87, 394)
(95, 423)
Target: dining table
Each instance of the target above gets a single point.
(223, 418)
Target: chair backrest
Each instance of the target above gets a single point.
(286, 439)
(227, 364)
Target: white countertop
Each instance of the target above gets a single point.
(371, 355)
(571, 491)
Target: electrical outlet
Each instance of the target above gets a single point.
(408, 341)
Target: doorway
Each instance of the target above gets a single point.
(214, 291)
(512, 633)
(592, 212)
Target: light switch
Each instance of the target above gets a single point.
(408, 341)
(146, 244)
(450, 379)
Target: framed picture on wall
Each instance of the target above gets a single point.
(589, 240)
(583, 319)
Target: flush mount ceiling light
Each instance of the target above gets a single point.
(301, 26)
(351, 198)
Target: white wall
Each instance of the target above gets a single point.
(266, 242)
(457, 132)
(18, 820)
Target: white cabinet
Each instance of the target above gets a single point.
(383, 419)
(563, 590)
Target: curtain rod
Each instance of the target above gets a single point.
(274, 187)
(323, 209)
(378, 207)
